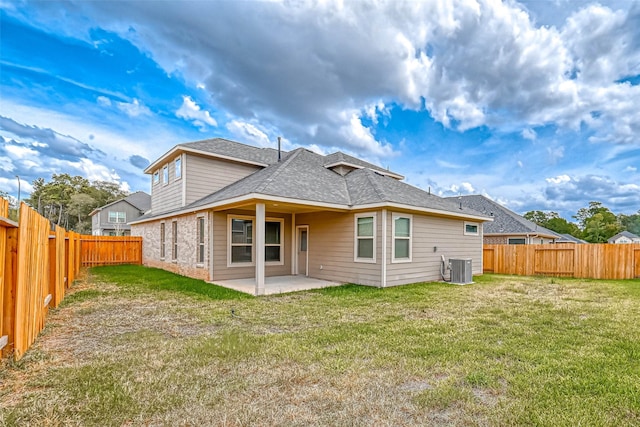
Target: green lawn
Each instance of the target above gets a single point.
(138, 346)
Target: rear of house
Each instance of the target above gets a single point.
(332, 217)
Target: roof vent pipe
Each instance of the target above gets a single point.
(279, 149)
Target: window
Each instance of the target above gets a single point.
(241, 240)
(162, 240)
(273, 240)
(200, 257)
(156, 177)
(518, 241)
(174, 239)
(365, 239)
(119, 217)
(178, 164)
(165, 174)
(471, 229)
(402, 229)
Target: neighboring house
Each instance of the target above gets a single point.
(112, 219)
(507, 228)
(568, 238)
(624, 237)
(221, 210)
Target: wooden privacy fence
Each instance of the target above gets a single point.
(38, 263)
(110, 250)
(592, 261)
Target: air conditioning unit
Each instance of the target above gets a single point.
(461, 272)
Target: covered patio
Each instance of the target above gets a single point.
(276, 284)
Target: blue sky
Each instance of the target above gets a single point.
(535, 104)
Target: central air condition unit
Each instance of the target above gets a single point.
(461, 273)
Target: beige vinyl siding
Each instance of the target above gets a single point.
(206, 175)
(167, 196)
(331, 248)
(221, 246)
(447, 235)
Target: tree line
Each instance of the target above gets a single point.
(595, 224)
(68, 200)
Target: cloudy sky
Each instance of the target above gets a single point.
(535, 104)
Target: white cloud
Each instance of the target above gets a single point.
(631, 169)
(103, 101)
(529, 134)
(249, 133)
(191, 111)
(559, 179)
(360, 138)
(134, 109)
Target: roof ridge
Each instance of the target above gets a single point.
(379, 191)
(279, 167)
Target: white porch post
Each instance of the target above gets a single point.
(260, 219)
(294, 248)
(383, 273)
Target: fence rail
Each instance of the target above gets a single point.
(38, 263)
(592, 261)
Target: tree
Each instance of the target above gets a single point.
(67, 200)
(631, 223)
(553, 221)
(598, 223)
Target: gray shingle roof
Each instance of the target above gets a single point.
(236, 150)
(504, 220)
(140, 200)
(301, 175)
(624, 233)
(568, 238)
(340, 157)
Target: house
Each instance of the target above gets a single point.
(112, 219)
(624, 237)
(222, 211)
(507, 228)
(568, 238)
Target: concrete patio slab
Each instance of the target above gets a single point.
(277, 284)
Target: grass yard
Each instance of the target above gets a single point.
(138, 346)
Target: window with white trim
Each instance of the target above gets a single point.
(365, 238)
(165, 174)
(174, 239)
(156, 177)
(273, 229)
(402, 230)
(162, 240)
(471, 229)
(240, 240)
(517, 241)
(118, 217)
(201, 231)
(178, 167)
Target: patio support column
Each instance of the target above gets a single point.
(294, 248)
(260, 219)
(383, 273)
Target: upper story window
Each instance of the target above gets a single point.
(365, 238)
(402, 231)
(156, 177)
(471, 229)
(117, 217)
(178, 165)
(165, 174)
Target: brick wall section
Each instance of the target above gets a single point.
(495, 240)
(186, 262)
